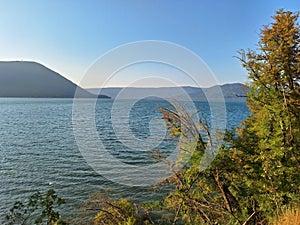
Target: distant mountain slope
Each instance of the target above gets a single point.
(31, 79)
(230, 91)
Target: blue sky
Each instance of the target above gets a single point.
(69, 35)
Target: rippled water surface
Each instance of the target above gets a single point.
(38, 150)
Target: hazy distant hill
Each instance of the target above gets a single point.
(31, 79)
(230, 91)
(235, 91)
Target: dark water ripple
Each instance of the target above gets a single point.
(38, 150)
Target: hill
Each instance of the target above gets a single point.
(235, 91)
(31, 79)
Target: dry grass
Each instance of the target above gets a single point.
(289, 217)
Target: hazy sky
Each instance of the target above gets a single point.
(69, 35)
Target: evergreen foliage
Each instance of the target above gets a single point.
(274, 125)
(38, 209)
(256, 174)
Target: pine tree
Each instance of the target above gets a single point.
(274, 102)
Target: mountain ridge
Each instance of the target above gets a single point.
(234, 91)
(32, 79)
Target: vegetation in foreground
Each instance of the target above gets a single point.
(255, 176)
(289, 217)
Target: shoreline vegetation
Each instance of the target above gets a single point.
(255, 175)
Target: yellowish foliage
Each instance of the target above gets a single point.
(289, 217)
(116, 212)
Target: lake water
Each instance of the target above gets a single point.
(38, 150)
